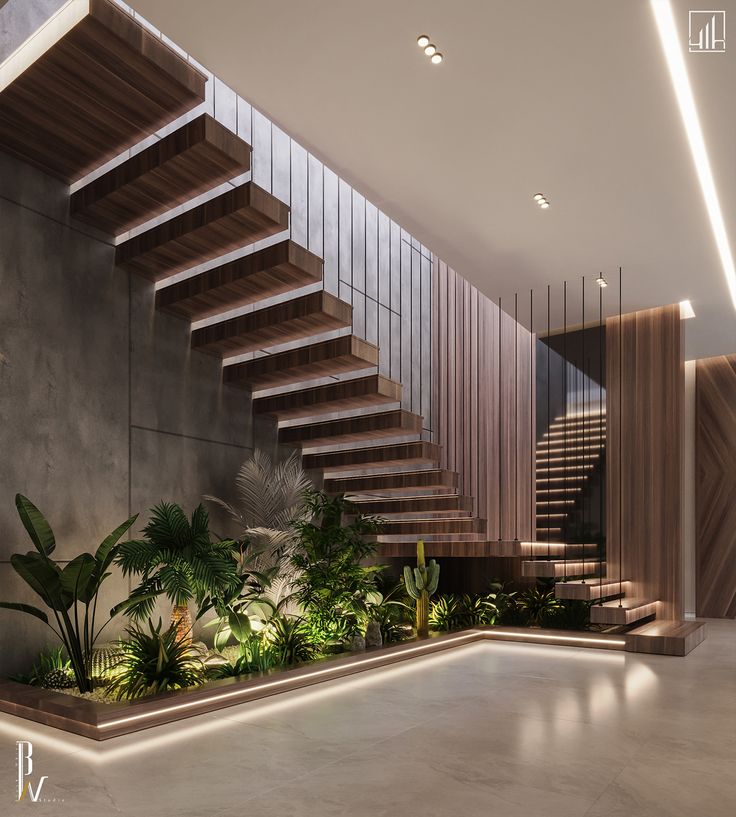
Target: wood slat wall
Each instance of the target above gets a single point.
(649, 449)
(466, 406)
(715, 491)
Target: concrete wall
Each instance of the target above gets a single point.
(104, 408)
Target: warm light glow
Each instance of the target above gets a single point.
(437, 58)
(538, 197)
(686, 310)
(670, 39)
(422, 40)
(571, 639)
(544, 205)
(601, 281)
(430, 49)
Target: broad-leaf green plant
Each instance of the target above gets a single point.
(71, 592)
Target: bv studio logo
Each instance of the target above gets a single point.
(25, 770)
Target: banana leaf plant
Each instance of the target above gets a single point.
(71, 592)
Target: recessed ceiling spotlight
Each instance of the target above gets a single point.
(422, 40)
(430, 49)
(538, 197)
(686, 310)
(601, 281)
(544, 204)
(437, 58)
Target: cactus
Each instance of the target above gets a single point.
(421, 583)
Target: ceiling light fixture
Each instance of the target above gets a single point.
(437, 58)
(670, 39)
(422, 40)
(541, 200)
(430, 49)
(601, 281)
(544, 204)
(538, 197)
(686, 310)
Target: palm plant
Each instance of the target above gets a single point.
(178, 559)
(154, 662)
(71, 592)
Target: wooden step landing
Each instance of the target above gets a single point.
(89, 84)
(345, 395)
(289, 321)
(442, 548)
(384, 483)
(666, 637)
(591, 590)
(377, 456)
(265, 273)
(324, 359)
(361, 428)
(558, 568)
(231, 220)
(438, 503)
(433, 526)
(623, 612)
(193, 159)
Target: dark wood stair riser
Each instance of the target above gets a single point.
(363, 392)
(104, 85)
(416, 504)
(471, 524)
(193, 159)
(324, 359)
(282, 323)
(352, 429)
(265, 273)
(377, 456)
(386, 483)
(231, 220)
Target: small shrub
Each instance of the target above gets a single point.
(51, 670)
(291, 640)
(444, 613)
(154, 662)
(539, 605)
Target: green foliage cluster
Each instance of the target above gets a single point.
(51, 670)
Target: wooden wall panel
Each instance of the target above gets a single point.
(715, 491)
(644, 409)
(466, 406)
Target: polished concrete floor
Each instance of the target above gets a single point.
(488, 729)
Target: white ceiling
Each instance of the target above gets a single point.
(571, 98)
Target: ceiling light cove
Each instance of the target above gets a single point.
(670, 39)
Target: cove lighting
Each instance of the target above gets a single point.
(670, 40)
(686, 310)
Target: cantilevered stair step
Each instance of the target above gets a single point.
(285, 322)
(555, 550)
(416, 505)
(622, 612)
(376, 456)
(99, 83)
(345, 395)
(361, 428)
(430, 479)
(193, 159)
(591, 590)
(559, 568)
(324, 359)
(231, 220)
(433, 526)
(265, 273)
(442, 547)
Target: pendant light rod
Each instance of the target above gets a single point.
(516, 417)
(500, 507)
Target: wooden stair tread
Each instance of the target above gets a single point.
(227, 222)
(442, 548)
(373, 390)
(622, 612)
(433, 525)
(323, 359)
(423, 503)
(403, 481)
(262, 274)
(377, 456)
(666, 637)
(104, 84)
(559, 568)
(281, 323)
(193, 159)
(591, 590)
(386, 424)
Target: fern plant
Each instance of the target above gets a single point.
(177, 558)
(154, 662)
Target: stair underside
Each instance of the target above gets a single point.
(265, 273)
(416, 505)
(442, 548)
(227, 222)
(324, 359)
(285, 322)
(386, 483)
(102, 86)
(432, 526)
(378, 456)
(623, 612)
(591, 590)
(193, 159)
(558, 568)
(352, 429)
(346, 395)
